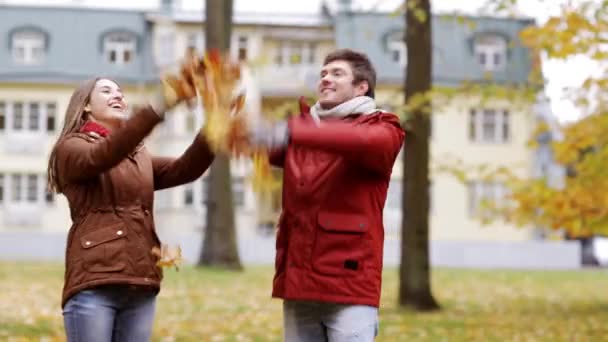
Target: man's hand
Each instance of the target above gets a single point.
(271, 136)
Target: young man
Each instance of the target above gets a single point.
(337, 158)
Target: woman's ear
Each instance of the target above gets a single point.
(87, 108)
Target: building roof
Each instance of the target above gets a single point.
(75, 44)
(267, 19)
(453, 57)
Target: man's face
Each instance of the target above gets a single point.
(336, 84)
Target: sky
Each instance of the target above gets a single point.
(559, 74)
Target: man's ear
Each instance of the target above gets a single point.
(361, 88)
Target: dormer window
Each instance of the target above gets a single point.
(397, 49)
(491, 52)
(119, 47)
(28, 47)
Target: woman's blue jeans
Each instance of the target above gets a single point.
(110, 314)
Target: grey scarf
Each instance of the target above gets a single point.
(357, 105)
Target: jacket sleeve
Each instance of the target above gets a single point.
(78, 159)
(170, 172)
(277, 157)
(373, 144)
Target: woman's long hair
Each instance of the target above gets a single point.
(74, 118)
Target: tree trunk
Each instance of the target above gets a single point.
(414, 275)
(219, 242)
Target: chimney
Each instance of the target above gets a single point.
(345, 6)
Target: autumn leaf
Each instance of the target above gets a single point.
(168, 256)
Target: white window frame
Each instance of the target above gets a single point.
(3, 116)
(120, 43)
(238, 187)
(188, 194)
(396, 45)
(45, 112)
(49, 113)
(196, 40)
(500, 123)
(3, 179)
(241, 43)
(479, 191)
(31, 188)
(489, 47)
(24, 189)
(166, 48)
(32, 46)
(305, 50)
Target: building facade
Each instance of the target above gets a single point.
(43, 59)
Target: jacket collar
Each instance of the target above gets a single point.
(93, 127)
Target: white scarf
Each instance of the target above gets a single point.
(357, 105)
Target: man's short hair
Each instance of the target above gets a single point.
(363, 70)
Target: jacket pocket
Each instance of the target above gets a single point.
(104, 250)
(340, 245)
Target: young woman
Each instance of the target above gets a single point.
(100, 164)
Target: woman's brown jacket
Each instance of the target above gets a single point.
(109, 183)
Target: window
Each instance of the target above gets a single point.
(191, 121)
(34, 117)
(484, 195)
(51, 114)
(296, 53)
(119, 47)
(1, 188)
(489, 125)
(397, 49)
(166, 52)
(28, 47)
(49, 196)
(505, 125)
(2, 116)
(204, 186)
(241, 48)
(196, 41)
(238, 191)
(393, 197)
(188, 195)
(18, 116)
(27, 116)
(491, 52)
(25, 188)
(16, 188)
(32, 188)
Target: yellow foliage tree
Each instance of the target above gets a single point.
(580, 205)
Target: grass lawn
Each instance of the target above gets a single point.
(211, 305)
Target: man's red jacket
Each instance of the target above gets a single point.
(330, 240)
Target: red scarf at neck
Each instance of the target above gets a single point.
(91, 126)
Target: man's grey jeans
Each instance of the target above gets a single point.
(305, 321)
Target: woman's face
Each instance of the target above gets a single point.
(107, 104)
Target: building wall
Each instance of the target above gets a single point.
(451, 217)
(25, 152)
(270, 86)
